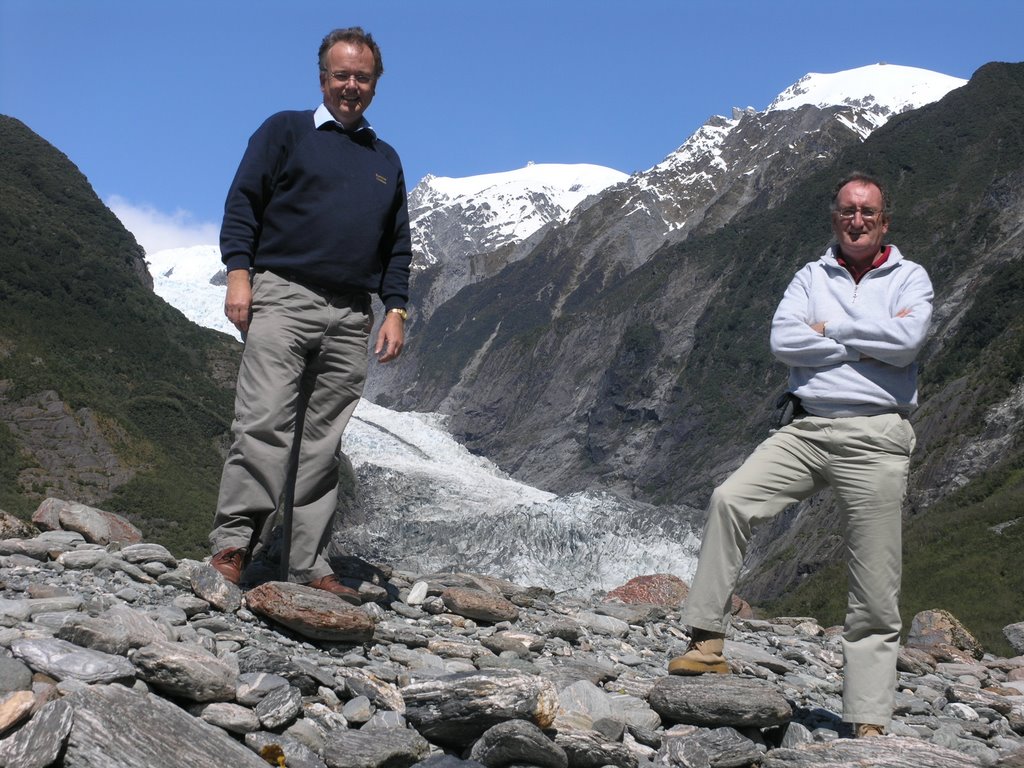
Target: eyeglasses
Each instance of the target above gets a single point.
(868, 214)
(360, 77)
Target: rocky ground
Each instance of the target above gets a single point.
(117, 654)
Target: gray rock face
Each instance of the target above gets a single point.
(38, 743)
(714, 702)
(478, 604)
(61, 660)
(211, 586)
(14, 676)
(457, 708)
(96, 633)
(551, 687)
(69, 446)
(117, 726)
(187, 671)
(358, 749)
(312, 612)
(1015, 634)
(515, 742)
(279, 708)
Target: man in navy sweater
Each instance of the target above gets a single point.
(315, 221)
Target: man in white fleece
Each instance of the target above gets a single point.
(849, 327)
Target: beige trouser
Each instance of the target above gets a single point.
(865, 460)
(301, 375)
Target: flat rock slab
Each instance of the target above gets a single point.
(588, 749)
(188, 671)
(719, 700)
(313, 613)
(114, 725)
(141, 629)
(658, 588)
(61, 660)
(93, 632)
(478, 604)
(98, 526)
(15, 707)
(382, 694)
(39, 743)
(518, 742)
(148, 553)
(716, 746)
(387, 748)
(884, 752)
(456, 709)
(938, 628)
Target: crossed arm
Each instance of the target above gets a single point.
(812, 329)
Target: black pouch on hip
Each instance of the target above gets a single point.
(787, 408)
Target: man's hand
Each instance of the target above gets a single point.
(391, 338)
(818, 328)
(238, 300)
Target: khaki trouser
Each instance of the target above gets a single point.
(301, 375)
(865, 460)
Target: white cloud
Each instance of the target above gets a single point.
(158, 231)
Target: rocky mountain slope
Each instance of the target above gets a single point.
(730, 166)
(466, 230)
(107, 394)
(116, 653)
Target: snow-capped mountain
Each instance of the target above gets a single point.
(751, 148)
(466, 230)
(454, 218)
(879, 90)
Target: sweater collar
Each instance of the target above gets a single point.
(323, 117)
(858, 272)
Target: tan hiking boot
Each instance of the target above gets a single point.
(868, 730)
(703, 655)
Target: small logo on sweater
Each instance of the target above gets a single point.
(381, 179)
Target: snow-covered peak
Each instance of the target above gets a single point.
(494, 209)
(674, 193)
(566, 185)
(891, 88)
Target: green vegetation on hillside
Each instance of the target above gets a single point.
(964, 556)
(77, 319)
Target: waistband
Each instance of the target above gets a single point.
(329, 294)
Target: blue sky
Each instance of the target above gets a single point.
(154, 102)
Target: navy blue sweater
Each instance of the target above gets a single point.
(324, 207)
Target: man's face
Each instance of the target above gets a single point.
(859, 239)
(347, 98)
